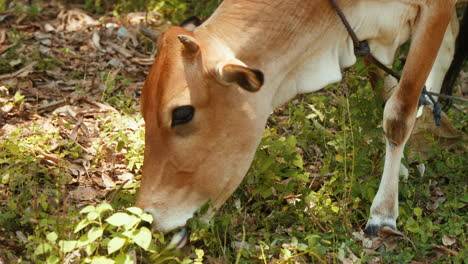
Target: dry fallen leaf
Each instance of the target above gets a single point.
(435, 203)
(96, 41)
(2, 35)
(421, 168)
(48, 27)
(107, 180)
(441, 251)
(123, 51)
(84, 193)
(360, 236)
(448, 240)
(390, 237)
(7, 108)
(72, 256)
(347, 261)
(151, 18)
(446, 134)
(76, 170)
(126, 177)
(23, 72)
(74, 20)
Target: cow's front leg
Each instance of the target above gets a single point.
(400, 109)
(398, 123)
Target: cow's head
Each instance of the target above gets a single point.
(202, 127)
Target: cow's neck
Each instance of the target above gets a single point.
(302, 45)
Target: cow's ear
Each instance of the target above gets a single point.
(191, 23)
(191, 46)
(247, 78)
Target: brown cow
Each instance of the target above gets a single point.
(210, 91)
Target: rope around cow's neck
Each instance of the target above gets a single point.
(362, 49)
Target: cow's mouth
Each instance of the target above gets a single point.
(179, 239)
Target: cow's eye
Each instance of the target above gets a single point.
(182, 115)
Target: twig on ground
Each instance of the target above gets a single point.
(125, 52)
(316, 221)
(114, 194)
(78, 124)
(26, 69)
(43, 108)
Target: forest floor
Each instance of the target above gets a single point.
(71, 136)
(66, 78)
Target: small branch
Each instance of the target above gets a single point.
(28, 68)
(44, 107)
(114, 194)
(317, 221)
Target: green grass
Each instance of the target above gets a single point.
(309, 188)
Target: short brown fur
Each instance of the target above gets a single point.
(206, 158)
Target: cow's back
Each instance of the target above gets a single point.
(304, 41)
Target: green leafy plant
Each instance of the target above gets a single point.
(103, 239)
(304, 200)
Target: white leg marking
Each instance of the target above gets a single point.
(384, 209)
(404, 173)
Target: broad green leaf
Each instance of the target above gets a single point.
(68, 245)
(119, 219)
(298, 161)
(147, 217)
(18, 97)
(82, 224)
(87, 209)
(152, 248)
(42, 248)
(101, 260)
(132, 185)
(412, 225)
(143, 238)
(124, 259)
(92, 216)
(132, 222)
(103, 208)
(456, 205)
(291, 141)
(464, 199)
(335, 208)
(200, 254)
(105, 241)
(115, 244)
(135, 210)
(294, 241)
(90, 248)
(266, 163)
(94, 233)
(6, 178)
(52, 260)
(129, 234)
(339, 158)
(287, 253)
(418, 212)
(52, 236)
(320, 114)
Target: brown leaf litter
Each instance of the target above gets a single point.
(64, 62)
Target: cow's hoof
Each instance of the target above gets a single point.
(372, 229)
